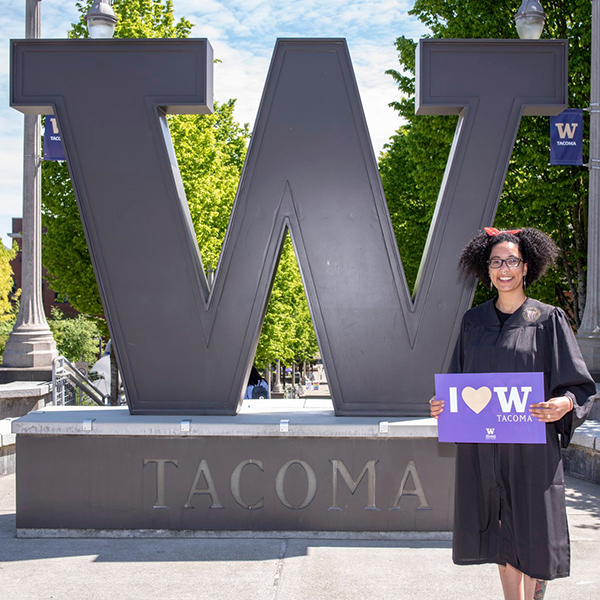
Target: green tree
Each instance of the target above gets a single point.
(8, 300)
(551, 198)
(76, 338)
(210, 152)
(288, 333)
(6, 279)
(138, 19)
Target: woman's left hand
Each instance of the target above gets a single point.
(553, 410)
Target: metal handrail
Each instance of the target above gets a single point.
(63, 369)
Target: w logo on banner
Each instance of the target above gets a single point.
(566, 130)
(566, 137)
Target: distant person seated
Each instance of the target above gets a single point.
(257, 388)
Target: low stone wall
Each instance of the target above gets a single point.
(582, 457)
(595, 412)
(17, 398)
(20, 397)
(264, 470)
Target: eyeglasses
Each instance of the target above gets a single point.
(512, 262)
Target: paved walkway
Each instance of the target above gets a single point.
(272, 568)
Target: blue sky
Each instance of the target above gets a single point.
(243, 34)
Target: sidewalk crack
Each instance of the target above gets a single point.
(279, 568)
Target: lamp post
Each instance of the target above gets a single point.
(588, 335)
(278, 387)
(530, 19)
(31, 344)
(101, 21)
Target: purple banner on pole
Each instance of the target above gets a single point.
(53, 148)
(566, 137)
(490, 408)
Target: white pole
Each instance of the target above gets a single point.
(31, 344)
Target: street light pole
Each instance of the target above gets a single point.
(588, 335)
(31, 344)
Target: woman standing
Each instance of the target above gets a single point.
(258, 388)
(510, 500)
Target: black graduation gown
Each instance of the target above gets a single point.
(510, 499)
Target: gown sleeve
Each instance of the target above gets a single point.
(569, 376)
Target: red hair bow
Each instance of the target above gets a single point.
(494, 231)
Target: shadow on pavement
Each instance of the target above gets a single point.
(181, 550)
(583, 499)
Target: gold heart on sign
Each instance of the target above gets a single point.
(477, 400)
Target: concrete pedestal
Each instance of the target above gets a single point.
(20, 397)
(267, 469)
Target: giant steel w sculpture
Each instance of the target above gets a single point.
(310, 168)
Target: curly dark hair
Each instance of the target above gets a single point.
(537, 250)
(254, 378)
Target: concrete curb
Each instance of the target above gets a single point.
(393, 536)
(267, 419)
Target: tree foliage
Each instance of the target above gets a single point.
(210, 151)
(8, 300)
(138, 19)
(76, 338)
(552, 198)
(6, 280)
(64, 248)
(288, 333)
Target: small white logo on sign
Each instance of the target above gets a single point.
(490, 433)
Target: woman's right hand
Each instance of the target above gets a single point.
(436, 407)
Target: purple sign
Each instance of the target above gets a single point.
(53, 148)
(566, 137)
(490, 408)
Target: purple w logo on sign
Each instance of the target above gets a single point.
(186, 348)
